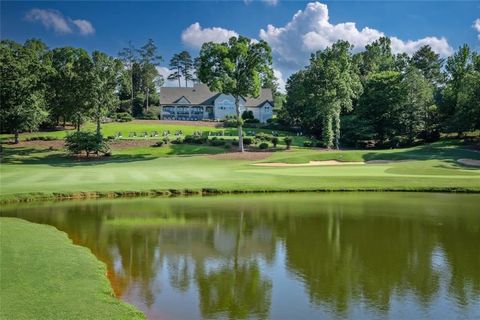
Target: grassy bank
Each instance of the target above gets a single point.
(33, 174)
(45, 276)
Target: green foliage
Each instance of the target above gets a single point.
(123, 117)
(274, 141)
(138, 106)
(178, 140)
(235, 68)
(380, 103)
(263, 136)
(217, 142)
(232, 122)
(41, 138)
(263, 145)
(429, 63)
(195, 140)
(248, 115)
(288, 141)
(106, 73)
(321, 92)
(23, 70)
(248, 141)
(460, 107)
(85, 141)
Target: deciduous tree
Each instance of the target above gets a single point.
(22, 72)
(235, 68)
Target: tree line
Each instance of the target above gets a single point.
(377, 97)
(43, 87)
(373, 97)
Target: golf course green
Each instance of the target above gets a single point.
(37, 172)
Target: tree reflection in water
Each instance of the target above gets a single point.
(356, 255)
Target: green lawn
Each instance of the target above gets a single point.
(45, 276)
(140, 126)
(35, 173)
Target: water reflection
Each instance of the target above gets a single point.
(284, 256)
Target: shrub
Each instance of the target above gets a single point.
(288, 141)
(195, 140)
(247, 141)
(234, 142)
(177, 141)
(272, 121)
(320, 144)
(252, 121)
(263, 136)
(158, 144)
(217, 142)
(166, 140)
(247, 115)
(309, 144)
(88, 142)
(41, 138)
(275, 141)
(232, 122)
(263, 145)
(149, 115)
(138, 104)
(123, 117)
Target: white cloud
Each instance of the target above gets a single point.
(51, 19)
(54, 19)
(310, 30)
(280, 79)
(84, 26)
(194, 36)
(439, 45)
(476, 26)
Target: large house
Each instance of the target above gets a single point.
(199, 103)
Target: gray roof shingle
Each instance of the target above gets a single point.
(201, 94)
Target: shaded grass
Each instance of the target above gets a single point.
(45, 276)
(443, 150)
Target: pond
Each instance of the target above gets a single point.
(283, 256)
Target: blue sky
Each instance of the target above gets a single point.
(175, 26)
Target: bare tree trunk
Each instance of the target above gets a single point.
(240, 133)
(147, 101)
(98, 120)
(131, 82)
(178, 71)
(78, 123)
(16, 136)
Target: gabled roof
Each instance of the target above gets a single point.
(201, 94)
(198, 94)
(182, 99)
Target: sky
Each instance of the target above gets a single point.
(294, 29)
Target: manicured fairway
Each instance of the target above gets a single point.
(45, 276)
(429, 168)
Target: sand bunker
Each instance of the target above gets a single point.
(309, 164)
(387, 161)
(469, 162)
